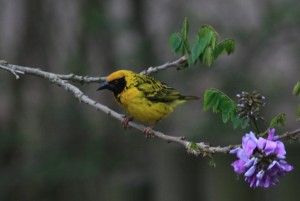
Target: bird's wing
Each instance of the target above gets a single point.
(156, 91)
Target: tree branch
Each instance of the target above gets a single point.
(177, 64)
(3, 64)
(62, 81)
(88, 80)
(81, 79)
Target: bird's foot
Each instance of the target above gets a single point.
(149, 132)
(126, 120)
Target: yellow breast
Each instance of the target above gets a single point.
(133, 102)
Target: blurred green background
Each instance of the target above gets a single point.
(54, 148)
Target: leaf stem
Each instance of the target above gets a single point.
(255, 124)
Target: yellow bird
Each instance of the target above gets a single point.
(143, 97)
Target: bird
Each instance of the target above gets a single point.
(143, 98)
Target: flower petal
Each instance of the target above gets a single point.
(267, 181)
(256, 161)
(249, 147)
(270, 147)
(276, 137)
(250, 162)
(234, 151)
(252, 136)
(243, 156)
(258, 182)
(238, 166)
(281, 157)
(260, 174)
(274, 171)
(271, 133)
(273, 164)
(252, 182)
(261, 143)
(280, 149)
(249, 137)
(250, 172)
(274, 180)
(287, 167)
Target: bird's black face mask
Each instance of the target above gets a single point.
(116, 86)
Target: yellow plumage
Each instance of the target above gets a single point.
(143, 97)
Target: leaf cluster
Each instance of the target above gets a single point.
(221, 103)
(278, 120)
(205, 49)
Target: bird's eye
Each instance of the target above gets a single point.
(115, 82)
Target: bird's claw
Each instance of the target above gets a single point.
(126, 120)
(148, 132)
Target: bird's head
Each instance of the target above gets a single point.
(115, 82)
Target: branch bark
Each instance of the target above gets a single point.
(63, 81)
(177, 64)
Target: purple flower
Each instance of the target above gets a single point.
(261, 160)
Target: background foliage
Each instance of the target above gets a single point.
(53, 148)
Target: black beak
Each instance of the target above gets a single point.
(105, 85)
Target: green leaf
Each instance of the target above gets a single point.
(279, 120)
(298, 113)
(211, 99)
(218, 101)
(226, 46)
(244, 122)
(185, 30)
(212, 162)
(192, 148)
(203, 45)
(175, 41)
(181, 49)
(206, 28)
(205, 35)
(221, 103)
(296, 90)
(196, 51)
(213, 41)
(179, 41)
(186, 48)
(228, 109)
(185, 40)
(208, 56)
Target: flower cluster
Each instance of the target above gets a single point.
(261, 160)
(249, 105)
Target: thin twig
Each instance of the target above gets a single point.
(177, 64)
(290, 135)
(3, 64)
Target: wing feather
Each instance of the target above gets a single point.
(156, 91)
